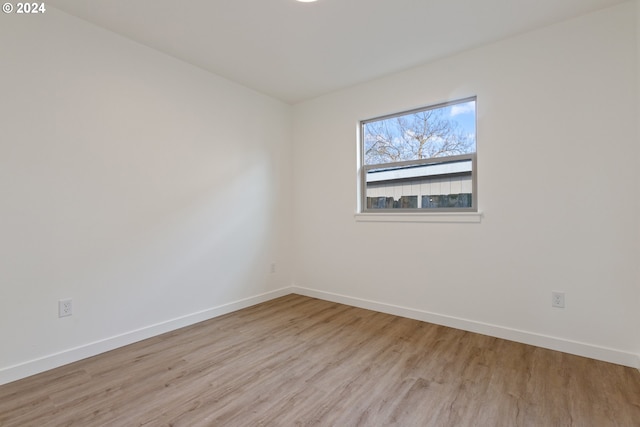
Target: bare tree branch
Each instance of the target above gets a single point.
(421, 135)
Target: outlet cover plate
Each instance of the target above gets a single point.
(65, 308)
(557, 299)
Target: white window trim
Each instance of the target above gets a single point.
(451, 217)
(466, 215)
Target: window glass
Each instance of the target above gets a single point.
(421, 159)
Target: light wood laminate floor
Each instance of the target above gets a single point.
(298, 361)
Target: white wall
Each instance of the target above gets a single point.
(558, 186)
(150, 192)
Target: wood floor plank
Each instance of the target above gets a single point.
(299, 361)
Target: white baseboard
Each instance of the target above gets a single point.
(32, 367)
(538, 340)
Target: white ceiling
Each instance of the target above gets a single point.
(296, 51)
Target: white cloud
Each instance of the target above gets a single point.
(467, 107)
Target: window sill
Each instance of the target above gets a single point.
(458, 217)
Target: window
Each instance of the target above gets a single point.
(422, 160)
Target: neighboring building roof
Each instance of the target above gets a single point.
(420, 171)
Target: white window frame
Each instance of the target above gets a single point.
(469, 214)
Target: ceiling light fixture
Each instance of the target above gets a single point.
(307, 1)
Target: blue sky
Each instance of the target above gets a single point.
(465, 115)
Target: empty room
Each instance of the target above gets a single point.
(330, 212)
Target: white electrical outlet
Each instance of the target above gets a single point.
(273, 267)
(557, 299)
(65, 308)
